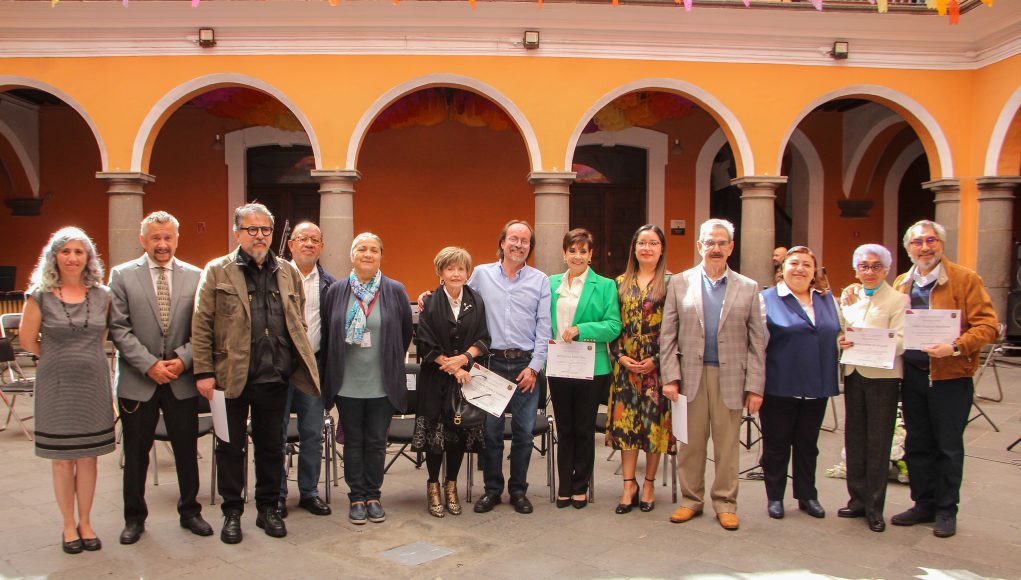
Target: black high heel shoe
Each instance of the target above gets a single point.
(90, 544)
(625, 508)
(648, 506)
(75, 546)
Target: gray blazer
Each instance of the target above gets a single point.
(741, 337)
(135, 327)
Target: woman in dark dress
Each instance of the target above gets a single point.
(452, 333)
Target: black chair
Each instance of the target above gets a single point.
(205, 428)
(292, 445)
(402, 426)
(13, 383)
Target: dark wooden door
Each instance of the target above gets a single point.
(279, 177)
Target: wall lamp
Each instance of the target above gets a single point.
(841, 50)
(531, 39)
(207, 37)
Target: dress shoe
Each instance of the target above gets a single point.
(945, 526)
(194, 524)
(625, 508)
(683, 514)
(375, 511)
(75, 546)
(564, 502)
(282, 507)
(487, 502)
(846, 512)
(877, 525)
(912, 516)
(648, 506)
(314, 505)
(811, 507)
(132, 531)
(271, 521)
(95, 544)
(775, 509)
(231, 531)
(357, 513)
(521, 503)
(579, 503)
(729, 521)
(452, 497)
(433, 500)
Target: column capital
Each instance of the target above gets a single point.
(554, 178)
(750, 182)
(327, 175)
(990, 187)
(939, 186)
(125, 183)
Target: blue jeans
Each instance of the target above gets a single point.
(522, 407)
(365, 423)
(310, 440)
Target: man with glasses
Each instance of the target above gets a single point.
(306, 245)
(713, 350)
(249, 339)
(938, 389)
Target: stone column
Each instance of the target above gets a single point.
(758, 230)
(995, 233)
(125, 191)
(552, 214)
(336, 218)
(948, 211)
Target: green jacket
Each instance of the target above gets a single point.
(597, 316)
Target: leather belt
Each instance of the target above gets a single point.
(510, 353)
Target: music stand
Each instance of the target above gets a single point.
(749, 421)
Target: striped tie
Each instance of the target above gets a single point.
(163, 299)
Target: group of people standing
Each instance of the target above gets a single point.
(278, 336)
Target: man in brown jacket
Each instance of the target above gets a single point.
(249, 339)
(938, 388)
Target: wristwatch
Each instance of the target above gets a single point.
(957, 349)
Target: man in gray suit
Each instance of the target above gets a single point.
(150, 323)
(713, 349)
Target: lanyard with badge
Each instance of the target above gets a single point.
(366, 335)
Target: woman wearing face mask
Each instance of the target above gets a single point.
(366, 332)
(584, 308)
(803, 325)
(452, 333)
(871, 394)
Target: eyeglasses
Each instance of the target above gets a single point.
(255, 230)
(864, 268)
(714, 243)
(302, 240)
(919, 242)
(645, 244)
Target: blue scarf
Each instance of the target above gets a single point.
(354, 322)
(871, 291)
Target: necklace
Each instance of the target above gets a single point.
(88, 312)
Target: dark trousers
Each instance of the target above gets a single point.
(522, 407)
(935, 418)
(138, 421)
(575, 403)
(790, 424)
(266, 403)
(365, 423)
(871, 411)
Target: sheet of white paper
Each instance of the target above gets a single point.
(679, 416)
(873, 347)
(488, 390)
(928, 327)
(219, 408)
(571, 360)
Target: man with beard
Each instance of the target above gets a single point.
(938, 387)
(249, 340)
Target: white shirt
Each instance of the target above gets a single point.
(154, 271)
(311, 285)
(782, 290)
(929, 278)
(567, 302)
(455, 303)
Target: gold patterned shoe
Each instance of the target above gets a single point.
(432, 491)
(453, 503)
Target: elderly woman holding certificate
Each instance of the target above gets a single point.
(584, 308)
(871, 392)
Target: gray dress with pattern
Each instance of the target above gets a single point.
(73, 401)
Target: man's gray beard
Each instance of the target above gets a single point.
(259, 256)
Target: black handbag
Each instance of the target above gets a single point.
(462, 413)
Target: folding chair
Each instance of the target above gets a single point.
(205, 428)
(997, 350)
(13, 383)
(292, 445)
(402, 427)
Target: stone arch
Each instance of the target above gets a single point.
(9, 81)
(445, 80)
(803, 147)
(1003, 123)
(714, 106)
(891, 189)
(28, 166)
(929, 131)
(169, 103)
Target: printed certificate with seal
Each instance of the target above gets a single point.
(873, 347)
(488, 390)
(571, 360)
(928, 327)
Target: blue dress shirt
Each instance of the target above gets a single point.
(518, 310)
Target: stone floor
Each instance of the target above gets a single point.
(588, 543)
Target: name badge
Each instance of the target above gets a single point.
(366, 339)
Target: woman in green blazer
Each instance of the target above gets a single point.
(584, 307)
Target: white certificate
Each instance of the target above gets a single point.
(679, 418)
(928, 327)
(218, 407)
(488, 390)
(571, 360)
(873, 347)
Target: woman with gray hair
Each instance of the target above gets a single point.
(366, 332)
(64, 324)
(871, 393)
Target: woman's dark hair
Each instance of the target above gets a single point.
(657, 289)
(820, 281)
(578, 236)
